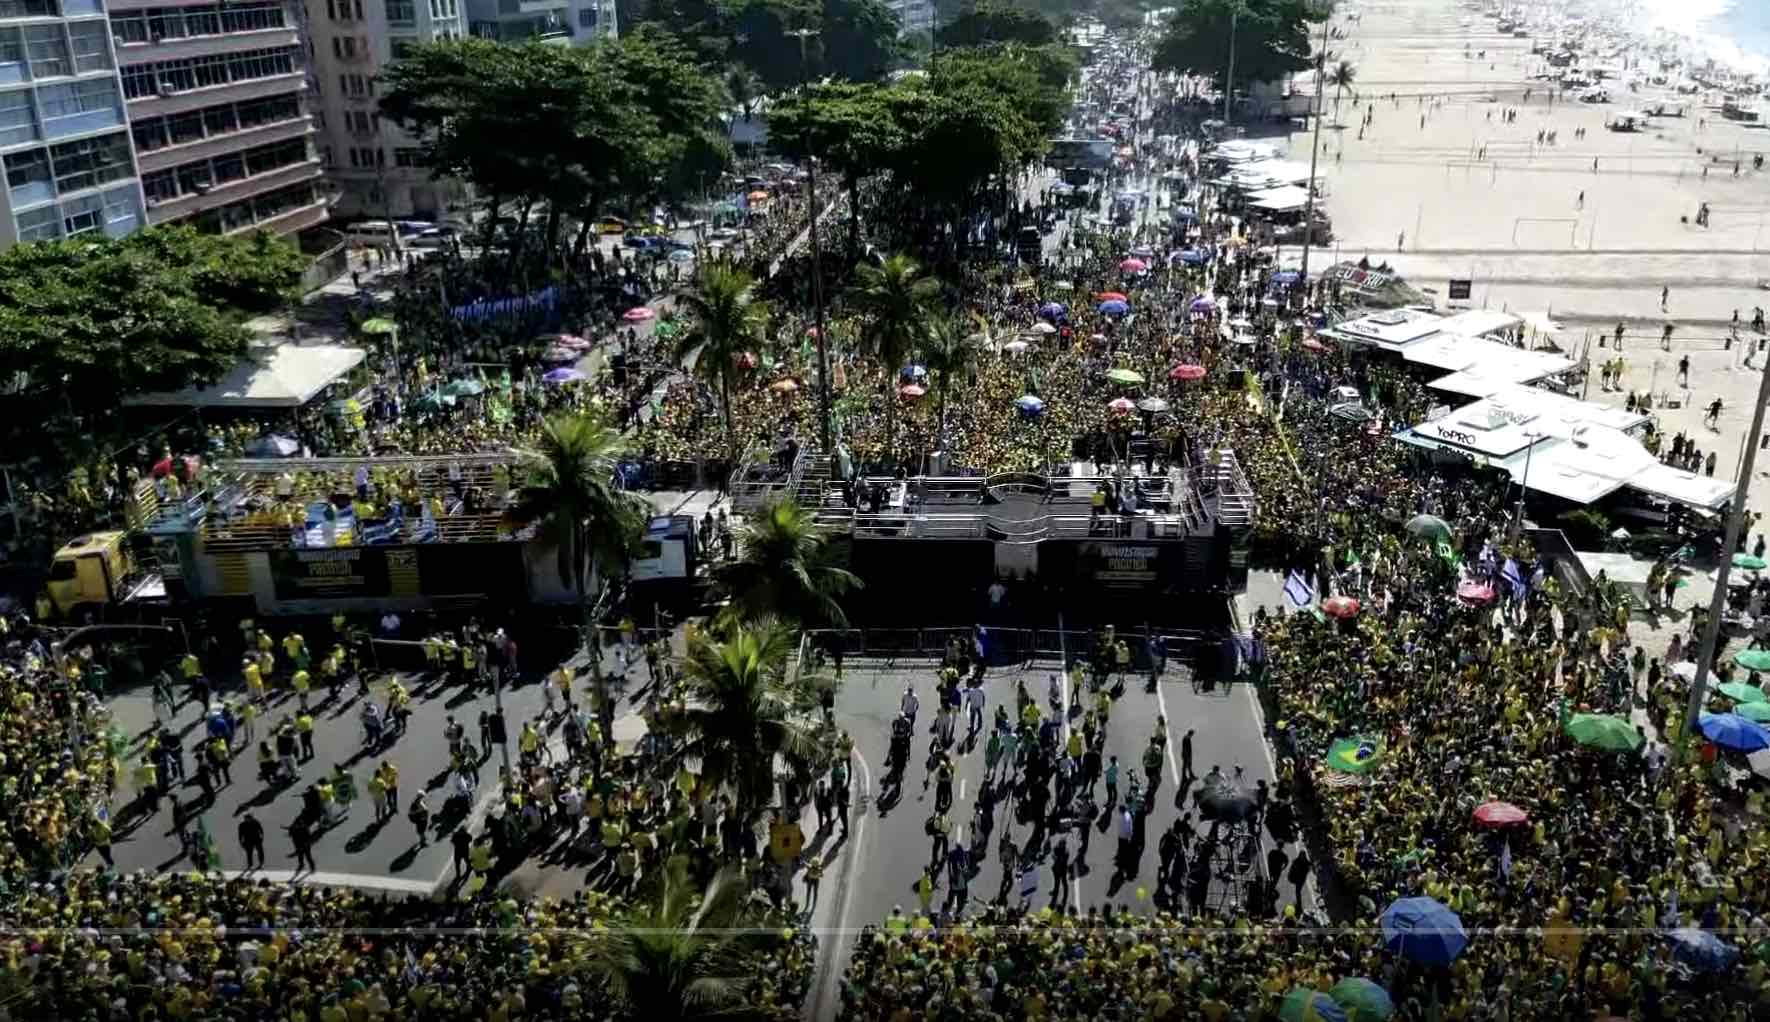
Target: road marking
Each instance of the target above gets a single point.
(824, 1004)
(962, 782)
(1167, 733)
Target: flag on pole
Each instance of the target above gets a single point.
(1298, 591)
(981, 643)
(210, 855)
(1513, 577)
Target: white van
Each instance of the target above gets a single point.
(378, 233)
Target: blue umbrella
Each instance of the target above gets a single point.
(1030, 405)
(564, 374)
(1115, 307)
(1286, 277)
(1424, 930)
(1731, 731)
(1053, 310)
(1185, 213)
(1701, 950)
(1193, 257)
(914, 372)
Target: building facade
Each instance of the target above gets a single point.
(217, 99)
(913, 16)
(566, 22)
(375, 166)
(64, 136)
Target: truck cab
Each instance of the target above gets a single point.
(95, 570)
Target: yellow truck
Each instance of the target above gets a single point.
(97, 569)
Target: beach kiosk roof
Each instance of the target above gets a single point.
(271, 376)
(1389, 330)
(1283, 199)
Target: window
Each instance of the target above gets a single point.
(150, 134)
(202, 21)
(193, 178)
(213, 70)
(12, 56)
(17, 123)
(91, 161)
(587, 17)
(186, 128)
(353, 157)
(47, 46)
(402, 48)
(71, 99)
(268, 111)
(119, 205)
(39, 224)
(401, 12)
(231, 167)
(27, 168)
(160, 186)
(82, 214)
(219, 120)
(167, 23)
(28, 9)
(265, 158)
(252, 17)
(408, 157)
(130, 29)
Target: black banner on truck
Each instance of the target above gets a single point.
(343, 573)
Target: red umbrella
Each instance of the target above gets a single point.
(1500, 814)
(911, 391)
(1133, 266)
(1475, 592)
(1112, 296)
(638, 314)
(1122, 405)
(1314, 345)
(1187, 371)
(1341, 607)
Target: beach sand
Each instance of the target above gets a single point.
(1515, 224)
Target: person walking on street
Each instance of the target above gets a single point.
(462, 842)
(1684, 371)
(1299, 874)
(1060, 873)
(302, 835)
(419, 813)
(1186, 755)
(251, 834)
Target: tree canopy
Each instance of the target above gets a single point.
(1271, 38)
(996, 21)
(851, 40)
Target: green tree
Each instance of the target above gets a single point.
(741, 712)
(851, 127)
(893, 300)
(785, 570)
(1271, 38)
(950, 355)
(860, 40)
(995, 21)
(728, 322)
(590, 521)
(745, 89)
(1341, 78)
(692, 955)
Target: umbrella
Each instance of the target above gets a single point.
(681, 255)
(914, 372)
(1753, 659)
(574, 342)
(1312, 344)
(1194, 256)
(1342, 607)
(1428, 527)
(1122, 405)
(1740, 692)
(1152, 404)
(1112, 296)
(786, 386)
(1203, 303)
(1053, 310)
(1129, 377)
(1015, 347)
(1475, 592)
(1248, 340)
(638, 314)
(273, 447)
(1030, 405)
(911, 391)
(1133, 266)
(1424, 930)
(562, 375)
(1365, 999)
(1143, 252)
(1499, 814)
(1731, 731)
(1187, 371)
(758, 196)
(1114, 307)
(467, 386)
(1748, 562)
(1603, 731)
(560, 354)
(1355, 755)
(1043, 329)
(1759, 712)
(379, 325)
(1305, 1005)
(1684, 670)
(1701, 950)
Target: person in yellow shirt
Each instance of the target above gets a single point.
(254, 679)
(301, 682)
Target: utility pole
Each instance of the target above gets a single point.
(1711, 632)
(1314, 153)
(1229, 78)
(817, 276)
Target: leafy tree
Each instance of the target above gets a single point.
(590, 521)
(741, 712)
(1271, 38)
(949, 354)
(784, 570)
(728, 322)
(745, 88)
(1341, 78)
(860, 40)
(704, 26)
(849, 126)
(994, 21)
(893, 300)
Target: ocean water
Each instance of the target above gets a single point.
(1734, 32)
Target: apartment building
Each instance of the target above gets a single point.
(914, 17)
(64, 138)
(216, 95)
(566, 22)
(376, 167)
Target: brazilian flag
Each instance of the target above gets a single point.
(1357, 755)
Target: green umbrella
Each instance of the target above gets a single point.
(1305, 1005)
(1127, 376)
(1748, 562)
(465, 387)
(1740, 692)
(1603, 731)
(1759, 712)
(1428, 527)
(1362, 999)
(1753, 659)
(1355, 755)
(379, 325)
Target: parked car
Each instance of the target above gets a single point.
(435, 237)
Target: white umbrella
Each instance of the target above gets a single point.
(1015, 347)
(1684, 669)
(1042, 328)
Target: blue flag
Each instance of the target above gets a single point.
(1513, 577)
(1297, 590)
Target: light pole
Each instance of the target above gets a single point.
(1229, 78)
(1314, 153)
(817, 277)
(1711, 632)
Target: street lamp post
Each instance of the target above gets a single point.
(1314, 154)
(1229, 77)
(817, 277)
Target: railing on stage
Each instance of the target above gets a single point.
(756, 481)
(1002, 646)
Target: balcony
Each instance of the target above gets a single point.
(232, 92)
(206, 45)
(218, 145)
(233, 191)
(298, 219)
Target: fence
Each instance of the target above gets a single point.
(1004, 647)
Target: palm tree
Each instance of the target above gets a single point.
(949, 352)
(728, 320)
(783, 569)
(1341, 78)
(592, 523)
(742, 713)
(745, 87)
(893, 298)
(685, 958)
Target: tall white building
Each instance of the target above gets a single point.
(566, 22)
(374, 165)
(913, 16)
(64, 135)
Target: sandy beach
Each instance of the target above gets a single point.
(1442, 184)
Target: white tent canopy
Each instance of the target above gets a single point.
(1284, 199)
(272, 376)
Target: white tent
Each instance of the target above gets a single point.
(1284, 199)
(272, 376)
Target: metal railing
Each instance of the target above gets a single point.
(1005, 646)
(749, 492)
